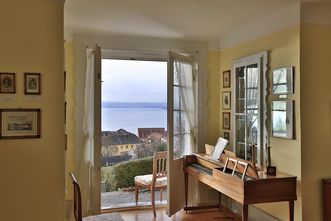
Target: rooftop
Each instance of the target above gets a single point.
(119, 137)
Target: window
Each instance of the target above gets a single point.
(184, 115)
(249, 106)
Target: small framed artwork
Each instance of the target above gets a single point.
(226, 135)
(7, 83)
(226, 79)
(226, 100)
(19, 123)
(32, 84)
(226, 120)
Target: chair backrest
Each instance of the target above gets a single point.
(159, 165)
(77, 198)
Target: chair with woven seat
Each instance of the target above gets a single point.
(78, 207)
(155, 181)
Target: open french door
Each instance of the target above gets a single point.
(96, 165)
(182, 126)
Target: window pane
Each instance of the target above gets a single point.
(185, 123)
(177, 126)
(240, 136)
(181, 143)
(252, 129)
(186, 143)
(176, 72)
(177, 146)
(279, 76)
(176, 98)
(252, 76)
(240, 89)
(252, 134)
(252, 93)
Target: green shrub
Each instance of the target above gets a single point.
(122, 174)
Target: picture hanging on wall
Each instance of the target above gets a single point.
(226, 79)
(32, 84)
(19, 123)
(226, 100)
(7, 83)
(226, 135)
(226, 120)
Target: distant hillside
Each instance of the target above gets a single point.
(134, 105)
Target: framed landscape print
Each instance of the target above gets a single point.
(19, 123)
(226, 120)
(226, 79)
(7, 83)
(226, 100)
(32, 83)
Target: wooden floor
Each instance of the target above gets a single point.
(202, 215)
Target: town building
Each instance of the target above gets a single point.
(119, 143)
(159, 134)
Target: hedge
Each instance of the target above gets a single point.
(122, 174)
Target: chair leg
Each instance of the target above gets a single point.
(136, 188)
(153, 200)
(161, 190)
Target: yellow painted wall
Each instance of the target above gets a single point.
(32, 170)
(315, 115)
(213, 97)
(284, 47)
(70, 123)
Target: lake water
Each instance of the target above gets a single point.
(130, 119)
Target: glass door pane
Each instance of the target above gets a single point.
(240, 89)
(240, 136)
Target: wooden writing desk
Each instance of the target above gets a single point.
(243, 189)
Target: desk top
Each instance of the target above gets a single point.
(262, 172)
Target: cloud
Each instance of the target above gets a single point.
(134, 81)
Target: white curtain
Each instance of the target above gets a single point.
(185, 74)
(86, 154)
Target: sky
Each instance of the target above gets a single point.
(134, 81)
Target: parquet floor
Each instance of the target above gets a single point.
(202, 215)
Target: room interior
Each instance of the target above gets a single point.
(48, 36)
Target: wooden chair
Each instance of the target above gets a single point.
(78, 207)
(155, 181)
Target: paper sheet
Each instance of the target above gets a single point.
(219, 147)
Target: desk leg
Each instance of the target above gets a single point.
(244, 212)
(219, 200)
(291, 210)
(186, 190)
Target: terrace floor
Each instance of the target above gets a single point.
(120, 199)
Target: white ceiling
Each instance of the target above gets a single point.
(221, 23)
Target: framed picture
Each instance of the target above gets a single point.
(226, 79)
(7, 83)
(226, 135)
(19, 123)
(226, 120)
(32, 83)
(226, 100)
